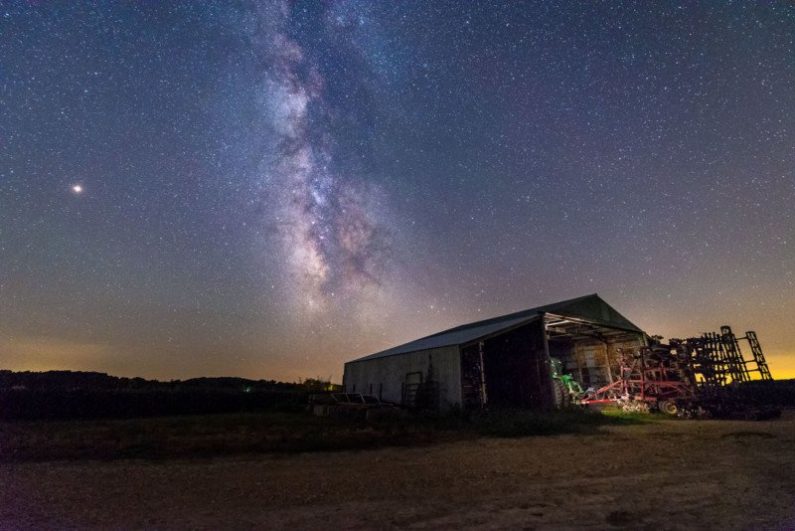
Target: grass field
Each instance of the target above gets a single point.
(229, 434)
(603, 474)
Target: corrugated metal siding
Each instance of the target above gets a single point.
(390, 373)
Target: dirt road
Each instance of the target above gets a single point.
(662, 475)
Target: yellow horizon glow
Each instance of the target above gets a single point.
(45, 354)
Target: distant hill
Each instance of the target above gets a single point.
(75, 394)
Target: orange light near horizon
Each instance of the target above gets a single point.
(782, 365)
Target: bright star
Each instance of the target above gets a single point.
(77, 189)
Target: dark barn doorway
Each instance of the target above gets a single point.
(516, 368)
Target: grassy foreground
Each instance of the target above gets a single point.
(228, 434)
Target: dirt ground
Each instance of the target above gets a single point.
(660, 475)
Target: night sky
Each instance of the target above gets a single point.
(269, 189)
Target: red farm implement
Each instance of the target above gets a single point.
(698, 376)
(648, 379)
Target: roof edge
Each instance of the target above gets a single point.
(508, 327)
(519, 318)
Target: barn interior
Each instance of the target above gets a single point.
(588, 350)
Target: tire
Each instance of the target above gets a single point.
(561, 394)
(668, 407)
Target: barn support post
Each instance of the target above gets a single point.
(483, 395)
(607, 361)
(546, 376)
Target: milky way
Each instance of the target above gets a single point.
(327, 220)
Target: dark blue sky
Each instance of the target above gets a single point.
(271, 188)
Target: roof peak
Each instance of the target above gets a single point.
(518, 313)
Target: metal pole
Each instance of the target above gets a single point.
(483, 396)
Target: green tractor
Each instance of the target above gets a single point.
(565, 389)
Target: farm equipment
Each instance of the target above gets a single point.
(648, 379)
(694, 377)
(351, 406)
(566, 389)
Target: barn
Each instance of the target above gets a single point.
(502, 362)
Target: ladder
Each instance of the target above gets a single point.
(734, 357)
(759, 356)
(714, 366)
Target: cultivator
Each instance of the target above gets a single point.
(649, 378)
(686, 377)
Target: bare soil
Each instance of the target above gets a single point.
(665, 474)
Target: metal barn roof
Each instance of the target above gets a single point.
(589, 308)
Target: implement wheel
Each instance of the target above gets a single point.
(668, 407)
(561, 394)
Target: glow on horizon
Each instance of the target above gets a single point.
(45, 354)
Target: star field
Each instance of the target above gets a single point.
(268, 189)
